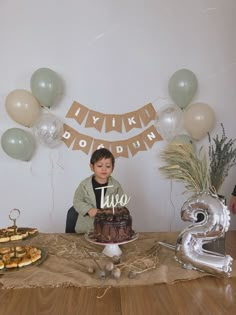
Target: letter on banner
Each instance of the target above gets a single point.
(78, 112)
(131, 120)
(150, 136)
(119, 148)
(98, 144)
(113, 122)
(83, 143)
(147, 113)
(136, 144)
(95, 119)
(69, 135)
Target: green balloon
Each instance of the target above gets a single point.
(182, 87)
(18, 144)
(46, 86)
(184, 139)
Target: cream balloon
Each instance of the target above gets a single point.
(22, 107)
(199, 119)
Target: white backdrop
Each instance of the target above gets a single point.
(114, 57)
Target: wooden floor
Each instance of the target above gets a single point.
(207, 295)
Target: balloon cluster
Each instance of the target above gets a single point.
(24, 107)
(197, 119)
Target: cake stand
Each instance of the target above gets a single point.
(111, 249)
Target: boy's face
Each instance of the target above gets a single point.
(102, 170)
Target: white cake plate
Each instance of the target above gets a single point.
(111, 249)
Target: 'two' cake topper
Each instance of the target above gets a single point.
(113, 200)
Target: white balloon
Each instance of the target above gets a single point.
(49, 130)
(169, 121)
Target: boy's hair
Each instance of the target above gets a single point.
(100, 154)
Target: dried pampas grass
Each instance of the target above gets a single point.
(184, 165)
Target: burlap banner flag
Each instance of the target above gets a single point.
(95, 119)
(111, 122)
(69, 135)
(85, 143)
(78, 112)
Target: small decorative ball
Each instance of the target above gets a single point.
(116, 272)
(90, 269)
(101, 274)
(116, 259)
(109, 266)
(132, 274)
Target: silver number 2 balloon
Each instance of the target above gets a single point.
(189, 246)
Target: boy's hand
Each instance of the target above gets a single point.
(92, 212)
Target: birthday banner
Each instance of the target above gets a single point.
(111, 122)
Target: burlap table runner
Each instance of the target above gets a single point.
(69, 256)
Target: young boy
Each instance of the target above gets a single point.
(87, 199)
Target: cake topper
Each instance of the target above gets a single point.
(113, 200)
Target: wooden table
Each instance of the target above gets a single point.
(207, 295)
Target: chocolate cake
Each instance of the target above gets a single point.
(112, 227)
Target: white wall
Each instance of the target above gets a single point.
(114, 56)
